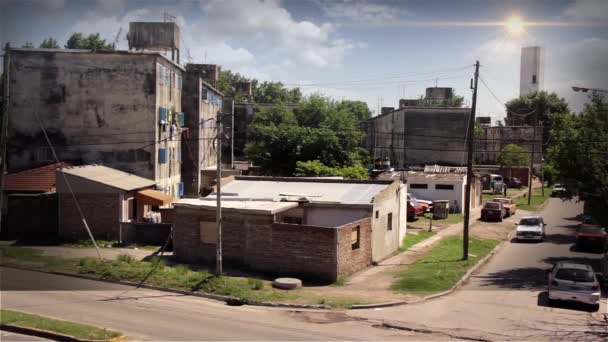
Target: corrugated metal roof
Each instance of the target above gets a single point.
(445, 169)
(41, 179)
(414, 176)
(341, 192)
(263, 207)
(108, 176)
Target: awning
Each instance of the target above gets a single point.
(153, 197)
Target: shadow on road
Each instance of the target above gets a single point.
(529, 278)
(594, 262)
(543, 300)
(560, 239)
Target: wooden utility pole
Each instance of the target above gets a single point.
(4, 123)
(467, 193)
(218, 212)
(531, 166)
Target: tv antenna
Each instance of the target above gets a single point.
(168, 18)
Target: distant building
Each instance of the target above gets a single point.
(495, 139)
(438, 94)
(417, 136)
(531, 70)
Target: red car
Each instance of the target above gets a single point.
(493, 211)
(414, 209)
(592, 236)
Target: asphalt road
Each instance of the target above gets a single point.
(523, 265)
(506, 298)
(153, 315)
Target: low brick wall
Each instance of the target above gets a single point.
(101, 211)
(352, 260)
(32, 217)
(152, 233)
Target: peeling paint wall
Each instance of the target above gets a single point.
(96, 107)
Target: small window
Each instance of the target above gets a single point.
(45, 154)
(292, 220)
(533, 79)
(208, 232)
(419, 186)
(444, 187)
(131, 213)
(377, 213)
(203, 94)
(389, 221)
(355, 237)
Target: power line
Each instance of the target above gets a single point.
(499, 101)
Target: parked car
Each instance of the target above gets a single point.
(414, 209)
(588, 219)
(574, 282)
(557, 190)
(508, 204)
(428, 204)
(513, 182)
(591, 236)
(493, 211)
(531, 228)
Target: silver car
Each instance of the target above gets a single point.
(531, 228)
(574, 282)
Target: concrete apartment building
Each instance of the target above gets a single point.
(122, 109)
(494, 139)
(417, 136)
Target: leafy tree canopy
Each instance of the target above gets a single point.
(314, 168)
(358, 109)
(579, 154)
(49, 43)
(28, 45)
(90, 42)
(513, 155)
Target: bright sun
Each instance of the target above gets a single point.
(515, 25)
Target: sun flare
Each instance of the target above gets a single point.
(515, 24)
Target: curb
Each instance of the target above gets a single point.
(51, 335)
(229, 300)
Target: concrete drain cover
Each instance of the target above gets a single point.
(287, 283)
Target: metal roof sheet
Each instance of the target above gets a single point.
(40, 179)
(108, 176)
(323, 192)
(263, 207)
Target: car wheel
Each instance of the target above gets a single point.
(595, 307)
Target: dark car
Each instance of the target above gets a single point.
(591, 236)
(493, 211)
(513, 182)
(414, 209)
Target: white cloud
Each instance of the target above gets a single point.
(585, 10)
(111, 5)
(361, 11)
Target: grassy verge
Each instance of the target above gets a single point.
(106, 244)
(442, 267)
(423, 222)
(411, 239)
(536, 200)
(81, 331)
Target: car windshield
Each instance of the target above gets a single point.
(555, 186)
(589, 220)
(592, 229)
(574, 274)
(492, 205)
(529, 222)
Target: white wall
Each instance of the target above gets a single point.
(532, 63)
(335, 216)
(385, 242)
(432, 194)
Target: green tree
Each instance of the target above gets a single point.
(228, 84)
(513, 155)
(358, 109)
(49, 43)
(579, 154)
(539, 107)
(28, 45)
(274, 92)
(315, 168)
(90, 42)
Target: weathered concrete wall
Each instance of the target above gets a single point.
(97, 108)
(384, 241)
(417, 136)
(494, 139)
(333, 216)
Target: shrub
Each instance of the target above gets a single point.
(255, 284)
(126, 258)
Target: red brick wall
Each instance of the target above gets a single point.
(256, 242)
(349, 260)
(101, 211)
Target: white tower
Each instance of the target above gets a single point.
(532, 70)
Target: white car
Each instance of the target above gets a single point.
(557, 190)
(574, 282)
(530, 228)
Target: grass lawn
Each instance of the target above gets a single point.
(442, 267)
(411, 239)
(81, 331)
(536, 201)
(423, 222)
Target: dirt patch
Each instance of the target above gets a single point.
(326, 317)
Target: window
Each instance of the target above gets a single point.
(533, 79)
(131, 209)
(444, 187)
(208, 232)
(377, 213)
(292, 220)
(203, 94)
(389, 221)
(355, 237)
(162, 156)
(419, 186)
(44, 154)
(171, 82)
(161, 74)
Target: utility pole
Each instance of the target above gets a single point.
(531, 166)
(4, 132)
(467, 193)
(218, 211)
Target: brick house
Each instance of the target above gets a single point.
(112, 201)
(252, 237)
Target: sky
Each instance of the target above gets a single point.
(374, 51)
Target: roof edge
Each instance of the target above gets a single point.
(312, 180)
